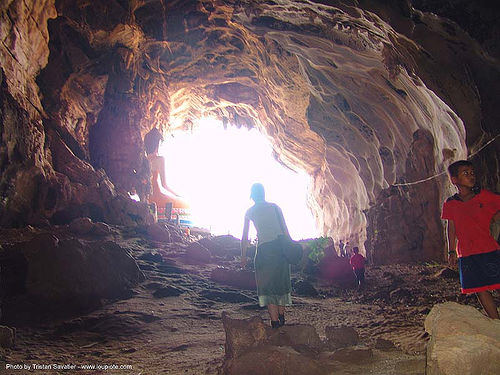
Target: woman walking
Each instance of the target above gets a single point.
(272, 271)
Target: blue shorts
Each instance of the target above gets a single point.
(480, 272)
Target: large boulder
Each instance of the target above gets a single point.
(253, 347)
(69, 274)
(282, 360)
(463, 341)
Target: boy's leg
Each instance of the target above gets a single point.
(361, 277)
(488, 303)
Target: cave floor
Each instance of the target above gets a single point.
(184, 334)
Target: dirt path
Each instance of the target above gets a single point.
(183, 334)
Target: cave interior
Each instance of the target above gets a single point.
(372, 99)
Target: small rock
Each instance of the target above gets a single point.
(81, 225)
(341, 337)
(198, 253)
(130, 350)
(383, 344)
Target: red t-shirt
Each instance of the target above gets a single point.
(472, 222)
(357, 261)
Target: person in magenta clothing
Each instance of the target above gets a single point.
(469, 214)
(357, 262)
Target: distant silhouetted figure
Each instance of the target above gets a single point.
(357, 262)
(470, 214)
(272, 271)
(161, 194)
(342, 246)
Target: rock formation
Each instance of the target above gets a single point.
(365, 96)
(462, 341)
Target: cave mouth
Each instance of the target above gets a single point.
(213, 167)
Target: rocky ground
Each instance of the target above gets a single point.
(171, 324)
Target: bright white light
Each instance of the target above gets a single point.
(214, 168)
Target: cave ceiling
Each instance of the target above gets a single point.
(362, 95)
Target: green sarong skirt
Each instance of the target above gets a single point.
(272, 274)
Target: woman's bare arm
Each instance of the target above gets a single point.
(244, 242)
(282, 218)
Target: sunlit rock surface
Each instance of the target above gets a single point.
(363, 96)
(462, 341)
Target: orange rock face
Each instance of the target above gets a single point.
(364, 99)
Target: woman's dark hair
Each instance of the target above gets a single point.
(454, 167)
(152, 141)
(257, 192)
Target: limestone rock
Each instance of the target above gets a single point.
(274, 360)
(67, 274)
(243, 335)
(463, 341)
(158, 232)
(301, 337)
(253, 347)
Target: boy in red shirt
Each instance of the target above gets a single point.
(469, 215)
(357, 262)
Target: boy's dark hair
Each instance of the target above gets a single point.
(355, 250)
(454, 167)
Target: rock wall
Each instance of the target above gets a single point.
(366, 97)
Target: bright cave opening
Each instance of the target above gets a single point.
(213, 168)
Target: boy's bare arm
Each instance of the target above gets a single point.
(452, 243)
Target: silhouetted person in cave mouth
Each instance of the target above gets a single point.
(469, 214)
(357, 262)
(272, 270)
(342, 248)
(161, 194)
